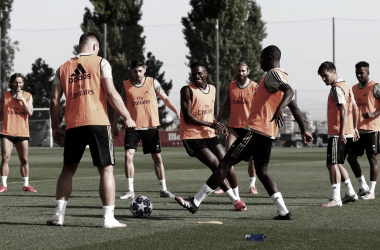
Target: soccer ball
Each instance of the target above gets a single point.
(141, 206)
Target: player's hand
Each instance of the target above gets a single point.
(342, 139)
(129, 124)
(367, 115)
(115, 131)
(307, 138)
(18, 96)
(278, 118)
(178, 116)
(356, 135)
(58, 137)
(218, 126)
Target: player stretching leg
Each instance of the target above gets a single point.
(273, 94)
(367, 97)
(198, 127)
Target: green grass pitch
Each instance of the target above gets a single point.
(301, 176)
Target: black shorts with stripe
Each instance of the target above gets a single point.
(97, 137)
(337, 152)
(193, 146)
(368, 142)
(252, 144)
(150, 140)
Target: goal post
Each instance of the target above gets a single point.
(40, 128)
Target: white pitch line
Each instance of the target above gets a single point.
(175, 171)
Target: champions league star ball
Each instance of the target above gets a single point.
(141, 206)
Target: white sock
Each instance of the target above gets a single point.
(4, 180)
(202, 194)
(230, 194)
(236, 192)
(60, 207)
(108, 212)
(130, 184)
(372, 186)
(163, 185)
(25, 181)
(252, 181)
(335, 192)
(349, 188)
(280, 204)
(362, 182)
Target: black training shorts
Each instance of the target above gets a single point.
(252, 144)
(193, 146)
(337, 152)
(150, 140)
(368, 142)
(14, 139)
(99, 139)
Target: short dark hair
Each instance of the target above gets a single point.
(137, 63)
(242, 63)
(87, 36)
(197, 64)
(329, 66)
(273, 51)
(13, 78)
(362, 64)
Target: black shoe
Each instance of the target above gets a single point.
(287, 216)
(187, 203)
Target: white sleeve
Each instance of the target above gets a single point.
(337, 94)
(57, 79)
(106, 69)
(273, 80)
(157, 87)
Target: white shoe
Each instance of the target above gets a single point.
(55, 220)
(112, 223)
(368, 196)
(332, 203)
(127, 195)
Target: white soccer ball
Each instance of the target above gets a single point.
(141, 206)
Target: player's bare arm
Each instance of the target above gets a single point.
(343, 120)
(168, 102)
(28, 105)
(286, 99)
(225, 107)
(117, 103)
(55, 108)
(355, 116)
(296, 112)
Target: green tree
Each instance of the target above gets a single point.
(125, 41)
(8, 47)
(39, 82)
(241, 32)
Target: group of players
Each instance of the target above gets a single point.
(256, 113)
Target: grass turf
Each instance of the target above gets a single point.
(300, 174)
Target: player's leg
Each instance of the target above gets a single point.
(355, 150)
(350, 196)
(374, 169)
(6, 150)
(160, 173)
(22, 148)
(131, 141)
(252, 177)
(107, 195)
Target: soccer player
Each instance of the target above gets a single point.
(87, 83)
(199, 128)
(140, 97)
(272, 95)
(239, 99)
(367, 97)
(342, 130)
(16, 106)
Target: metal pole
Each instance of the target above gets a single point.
(217, 67)
(333, 28)
(105, 41)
